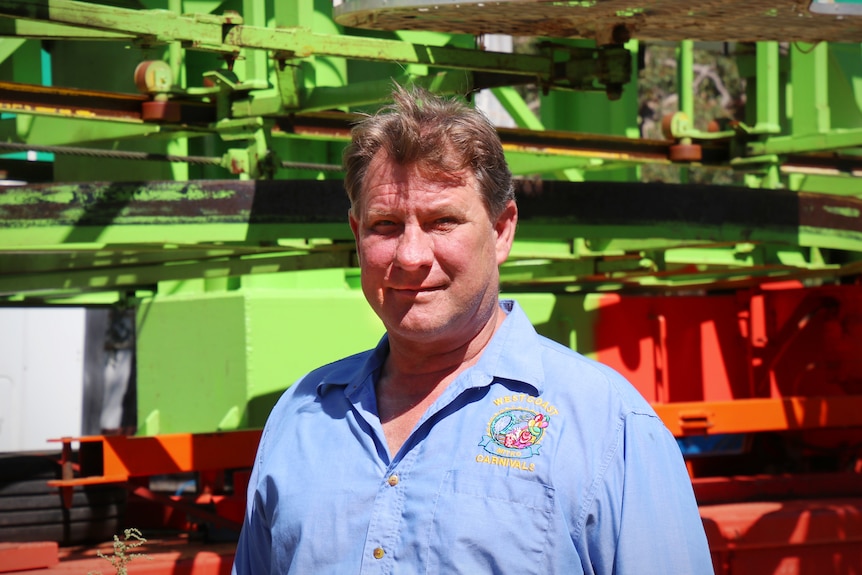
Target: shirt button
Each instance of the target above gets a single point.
(393, 480)
(379, 553)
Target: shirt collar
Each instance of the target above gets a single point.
(514, 354)
(351, 378)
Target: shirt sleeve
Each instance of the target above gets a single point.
(255, 540)
(646, 507)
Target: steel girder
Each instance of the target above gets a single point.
(272, 104)
(93, 237)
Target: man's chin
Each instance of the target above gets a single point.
(418, 327)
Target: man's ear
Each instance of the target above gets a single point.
(504, 228)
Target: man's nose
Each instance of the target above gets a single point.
(414, 248)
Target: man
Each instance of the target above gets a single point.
(465, 442)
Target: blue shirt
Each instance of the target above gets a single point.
(534, 460)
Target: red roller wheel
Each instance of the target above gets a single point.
(666, 123)
(160, 111)
(685, 153)
(153, 76)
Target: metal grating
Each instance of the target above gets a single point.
(608, 20)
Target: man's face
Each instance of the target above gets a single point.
(429, 252)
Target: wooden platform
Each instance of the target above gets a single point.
(711, 20)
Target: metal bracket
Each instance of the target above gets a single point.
(606, 68)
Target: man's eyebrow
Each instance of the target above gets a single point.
(376, 212)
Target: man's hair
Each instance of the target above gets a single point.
(437, 135)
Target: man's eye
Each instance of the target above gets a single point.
(445, 223)
(383, 225)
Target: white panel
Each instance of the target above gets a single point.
(11, 376)
(41, 376)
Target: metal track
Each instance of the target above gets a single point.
(199, 117)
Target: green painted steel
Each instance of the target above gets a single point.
(101, 236)
(295, 57)
(231, 354)
(241, 267)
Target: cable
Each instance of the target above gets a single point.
(129, 155)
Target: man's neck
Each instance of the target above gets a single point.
(414, 376)
(437, 359)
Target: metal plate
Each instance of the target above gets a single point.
(709, 20)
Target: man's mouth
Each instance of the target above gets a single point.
(416, 290)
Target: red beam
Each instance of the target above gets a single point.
(24, 556)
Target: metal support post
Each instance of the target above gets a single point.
(767, 88)
(685, 92)
(685, 78)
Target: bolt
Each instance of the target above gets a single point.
(621, 34)
(614, 91)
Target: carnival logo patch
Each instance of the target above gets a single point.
(515, 433)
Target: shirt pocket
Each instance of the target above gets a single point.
(497, 524)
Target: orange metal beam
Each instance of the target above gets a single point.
(752, 415)
(123, 457)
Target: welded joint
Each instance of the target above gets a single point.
(606, 68)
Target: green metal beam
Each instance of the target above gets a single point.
(226, 34)
(767, 59)
(89, 237)
(685, 78)
(8, 46)
(376, 92)
(151, 25)
(810, 85)
(50, 31)
(125, 277)
(834, 140)
(46, 130)
(517, 108)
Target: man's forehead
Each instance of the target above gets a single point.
(382, 169)
(393, 179)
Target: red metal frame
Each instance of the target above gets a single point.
(784, 361)
(27, 556)
(117, 458)
(132, 460)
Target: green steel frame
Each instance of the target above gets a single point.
(215, 93)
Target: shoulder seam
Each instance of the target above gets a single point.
(599, 478)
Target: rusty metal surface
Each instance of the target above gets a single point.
(200, 116)
(756, 212)
(169, 202)
(27, 98)
(710, 20)
(90, 104)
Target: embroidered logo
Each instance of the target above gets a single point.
(515, 433)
